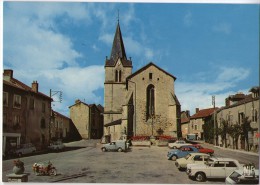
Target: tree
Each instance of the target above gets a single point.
(208, 130)
(223, 131)
(235, 131)
(245, 129)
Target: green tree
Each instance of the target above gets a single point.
(245, 129)
(208, 130)
(222, 131)
(235, 131)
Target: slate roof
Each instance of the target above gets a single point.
(203, 113)
(118, 51)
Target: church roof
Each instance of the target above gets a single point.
(118, 51)
(146, 67)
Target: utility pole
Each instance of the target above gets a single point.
(215, 138)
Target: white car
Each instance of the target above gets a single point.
(56, 146)
(24, 149)
(239, 177)
(192, 158)
(178, 144)
(213, 168)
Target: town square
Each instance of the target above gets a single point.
(130, 93)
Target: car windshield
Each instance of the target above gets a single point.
(187, 156)
(234, 176)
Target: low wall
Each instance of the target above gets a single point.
(141, 143)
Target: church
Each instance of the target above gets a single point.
(142, 103)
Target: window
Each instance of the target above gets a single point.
(150, 110)
(150, 76)
(240, 117)
(118, 75)
(16, 120)
(198, 158)
(17, 101)
(31, 103)
(4, 118)
(5, 99)
(195, 127)
(231, 164)
(254, 115)
(43, 107)
(219, 164)
(43, 125)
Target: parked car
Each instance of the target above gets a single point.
(120, 145)
(56, 146)
(24, 149)
(204, 150)
(192, 158)
(213, 168)
(182, 152)
(178, 144)
(239, 177)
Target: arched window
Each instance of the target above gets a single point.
(150, 108)
(119, 76)
(116, 76)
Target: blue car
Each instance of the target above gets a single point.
(181, 152)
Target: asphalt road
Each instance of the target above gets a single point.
(83, 162)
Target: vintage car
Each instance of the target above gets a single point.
(24, 149)
(178, 144)
(119, 145)
(56, 146)
(240, 177)
(213, 168)
(182, 152)
(192, 158)
(204, 150)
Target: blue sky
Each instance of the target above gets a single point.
(212, 49)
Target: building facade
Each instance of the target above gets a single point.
(26, 113)
(60, 126)
(198, 119)
(139, 103)
(237, 108)
(185, 121)
(88, 119)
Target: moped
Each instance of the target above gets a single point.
(44, 169)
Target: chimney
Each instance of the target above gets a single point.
(8, 74)
(227, 102)
(77, 101)
(188, 113)
(197, 110)
(35, 86)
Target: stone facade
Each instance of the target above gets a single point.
(26, 112)
(60, 126)
(237, 107)
(128, 98)
(88, 119)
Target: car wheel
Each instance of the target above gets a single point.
(52, 172)
(200, 177)
(103, 149)
(119, 150)
(20, 154)
(174, 158)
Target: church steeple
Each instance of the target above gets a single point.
(118, 48)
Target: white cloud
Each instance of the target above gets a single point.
(36, 50)
(199, 94)
(222, 28)
(233, 74)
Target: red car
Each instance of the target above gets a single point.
(203, 150)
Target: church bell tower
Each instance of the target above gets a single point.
(117, 68)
